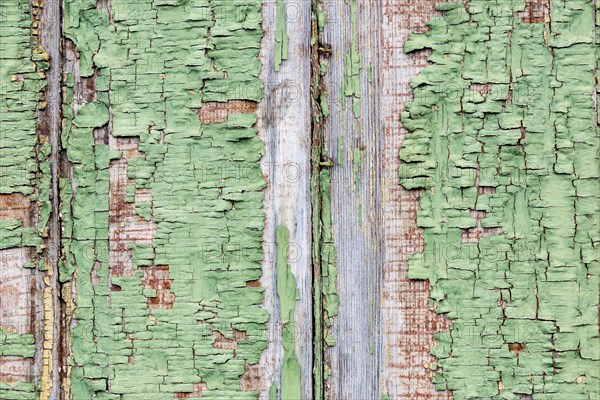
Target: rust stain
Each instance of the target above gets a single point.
(215, 112)
(253, 284)
(516, 347)
(17, 291)
(125, 225)
(223, 343)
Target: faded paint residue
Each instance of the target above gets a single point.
(281, 36)
(505, 144)
(329, 293)
(324, 258)
(290, 385)
(353, 64)
(163, 212)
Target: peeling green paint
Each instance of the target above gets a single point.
(154, 64)
(288, 296)
(18, 391)
(14, 344)
(24, 178)
(353, 64)
(328, 253)
(505, 144)
(281, 36)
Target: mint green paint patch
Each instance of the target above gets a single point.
(156, 63)
(18, 391)
(330, 296)
(91, 115)
(281, 36)
(13, 344)
(505, 142)
(288, 296)
(353, 65)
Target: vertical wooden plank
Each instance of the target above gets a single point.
(353, 139)
(284, 125)
(385, 328)
(50, 39)
(26, 130)
(409, 324)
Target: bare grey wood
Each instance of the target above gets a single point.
(356, 360)
(384, 328)
(284, 125)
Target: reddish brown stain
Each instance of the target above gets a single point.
(15, 207)
(253, 284)
(251, 378)
(536, 11)
(197, 393)
(157, 278)
(16, 369)
(214, 112)
(516, 347)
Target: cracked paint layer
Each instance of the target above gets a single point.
(287, 292)
(504, 147)
(324, 257)
(353, 65)
(281, 36)
(163, 228)
(24, 192)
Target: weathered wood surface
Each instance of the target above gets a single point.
(53, 364)
(408, 322)
(284, 125)
(384, 328)
(356, 360)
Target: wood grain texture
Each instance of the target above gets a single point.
(284, 126)
(385, 328)
(356, 361)
(51, 40)
(17, 308)
(408, 321)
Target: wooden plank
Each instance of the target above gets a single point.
(53, 365)
(384, 328)
(284, 125)
(356, 360)
(408, 322)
